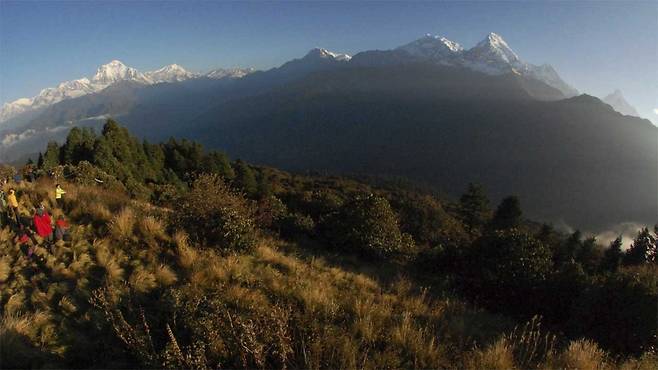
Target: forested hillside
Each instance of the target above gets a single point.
(180, 257)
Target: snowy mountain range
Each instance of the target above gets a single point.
(229, 72)
(170, 73)
(617, 101)
(107, 75)
(490, 56)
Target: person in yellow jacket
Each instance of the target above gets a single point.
(13, 203)
(58, 196)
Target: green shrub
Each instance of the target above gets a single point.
(295, 224)
(508, 268)
(619, 311)
(424, 218)
(269, 212)
(214, 215)
(368, 225)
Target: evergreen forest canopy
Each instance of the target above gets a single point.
(181, 257)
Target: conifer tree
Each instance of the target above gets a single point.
(568, 249)
(217, 162)
(642, 250)
(264, 186)
(589, 255)
(51, 156)
(474, 208)
(508, 214)
(245, 179)
(612, 256)
(72, 146)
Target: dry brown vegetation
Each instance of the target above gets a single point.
(132, 290)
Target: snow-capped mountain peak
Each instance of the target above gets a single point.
(117, 71)
(433, 47)
(326, 54)
(106, 75)
(617, 101)
(494, 53)
(491, 56)
(170, 73)
(220, 73)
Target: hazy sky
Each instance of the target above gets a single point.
(595, 46)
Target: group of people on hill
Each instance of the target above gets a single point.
(27, 228)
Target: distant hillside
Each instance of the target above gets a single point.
(574, 160)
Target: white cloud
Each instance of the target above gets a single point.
(627, 230)
(655, 110)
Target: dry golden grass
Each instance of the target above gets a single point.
(142, 280)
(648, 361)
(583, 355)
(108, 261)
(99, 212)
(498, 356)
(186, 255)
(150, 227)
(279, 309)
(165, 276)
(16, 304)
(5, 268)
(123, 224)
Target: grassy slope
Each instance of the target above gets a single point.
(128, 291)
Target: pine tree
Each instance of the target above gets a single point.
(474, 208)
(217, 162)
(567, 250)
(40, 161)
(72, 146)
(612, 256)
(51, 156)
(589, 255)
(245, 179)
(508, 214)
(642, 250)
(264, 186)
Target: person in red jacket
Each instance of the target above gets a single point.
(42, 224)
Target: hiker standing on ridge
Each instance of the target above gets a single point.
(13, 204)
(58, 196)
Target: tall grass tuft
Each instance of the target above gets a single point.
(122, 225)
(152, 228)
(186, 254)
(584, 355)
(498, 356)
(142, 280)
(165, 276)
(5, 268)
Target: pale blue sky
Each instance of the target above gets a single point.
(595, 46)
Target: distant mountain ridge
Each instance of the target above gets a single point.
(575, 161)
(491, 56)
(617, 100)
(106, 75)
